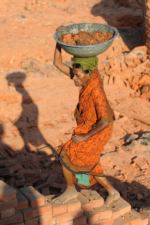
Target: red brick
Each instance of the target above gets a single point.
(74, 205)
(22, 201)
(46, 219)
(54, 220)
(7, 193)
(7, 205)
(94, 202)
(7, 213)
(35, 212)
(98, 215)
(59, 209)
(68, 217)
(119, 208)
(106, 222)
(18, 218)
(33, 196)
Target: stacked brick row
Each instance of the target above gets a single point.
(147, 24)
(27, 206)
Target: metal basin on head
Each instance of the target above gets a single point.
(86, 50)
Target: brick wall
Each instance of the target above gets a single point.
(27, 206)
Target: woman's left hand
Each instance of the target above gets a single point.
(79, 138)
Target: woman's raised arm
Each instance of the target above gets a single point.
(59, 63)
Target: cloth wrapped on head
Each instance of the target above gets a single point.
(87, 63)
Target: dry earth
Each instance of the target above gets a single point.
(37, 101)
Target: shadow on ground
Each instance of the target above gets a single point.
(120, 15)
(135, 193)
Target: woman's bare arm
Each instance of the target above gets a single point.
(59, 63)
(99, 126)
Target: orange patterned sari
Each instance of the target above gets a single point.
(93, 106)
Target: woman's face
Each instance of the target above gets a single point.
(80, 77)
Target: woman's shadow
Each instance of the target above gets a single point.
(27, 123)
(34, 142)
(131, 29)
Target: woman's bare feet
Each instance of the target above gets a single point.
(69, 194)
(113, 196)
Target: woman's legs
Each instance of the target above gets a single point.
(70, 192)
(113, 194)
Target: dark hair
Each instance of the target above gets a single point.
(78, 66)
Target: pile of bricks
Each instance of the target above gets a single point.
(27, 206)
(147, 23)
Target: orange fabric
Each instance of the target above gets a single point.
(93, 106)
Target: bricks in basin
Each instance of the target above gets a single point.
(7, 213)
(30, 213)
(33, 196)
(7, 193)
(17, 218)
(22, 201)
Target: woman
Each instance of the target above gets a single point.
(94, 116)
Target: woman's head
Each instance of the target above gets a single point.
(80, 76)
(82, 68)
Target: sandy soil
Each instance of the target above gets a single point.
(35, 106)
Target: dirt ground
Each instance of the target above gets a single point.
(35, 106)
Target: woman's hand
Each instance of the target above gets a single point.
(79, 138)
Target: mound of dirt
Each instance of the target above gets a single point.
(86, 38)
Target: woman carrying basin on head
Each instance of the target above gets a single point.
(80, 156)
